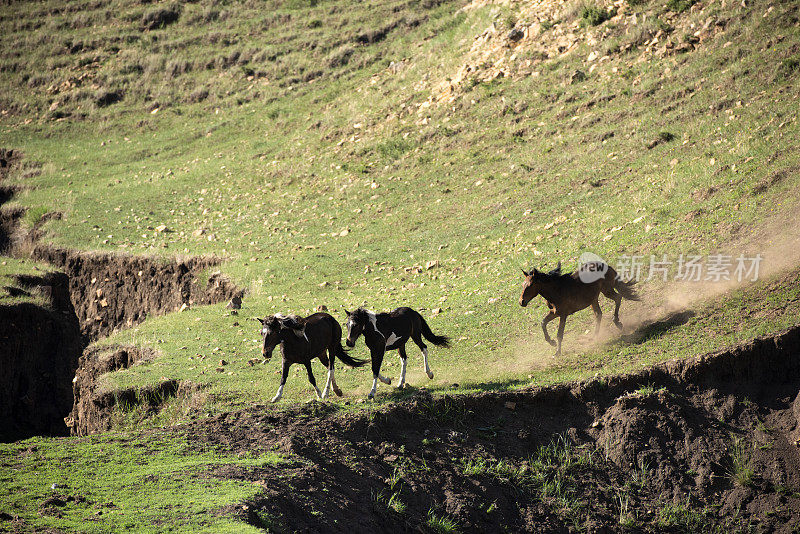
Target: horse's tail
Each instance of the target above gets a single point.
(341, 353)
(439, 341)
(626, 289)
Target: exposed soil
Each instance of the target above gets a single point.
(93, 409)
(9, 217)
(39, 350)
(113, 291)
(40, 347)
(683, 446)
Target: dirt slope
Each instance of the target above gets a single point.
(683, 446)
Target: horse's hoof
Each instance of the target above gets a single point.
(618, 324)
(274, 400)
(552, 343)
(370, 396)
(401, 386)
(430, 374)
(338, 392)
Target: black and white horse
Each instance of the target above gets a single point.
(390, 331)
(302, 340)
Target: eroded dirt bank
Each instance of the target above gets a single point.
(684, 447)
(40, 347)
(39, 350)
(111, 291)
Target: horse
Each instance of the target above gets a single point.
(567, 293)
(390, 331)
(302, 340)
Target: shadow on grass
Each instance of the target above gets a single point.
(654, 329)
(457, 389)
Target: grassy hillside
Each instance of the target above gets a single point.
(415, 153)
(366, 184)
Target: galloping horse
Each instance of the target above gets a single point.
(571, 292)
(390, 331)
(302, 340)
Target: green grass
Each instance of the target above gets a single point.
(122, 482)
(294, 142)
(10, 268)
(740, 470)
(440, 524)
(332, 194)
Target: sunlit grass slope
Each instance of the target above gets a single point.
(345, 188)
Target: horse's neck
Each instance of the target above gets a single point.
(554, 289)
(372, 333)
(294, 344)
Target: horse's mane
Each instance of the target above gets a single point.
(360, 313)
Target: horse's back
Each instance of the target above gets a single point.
(322, 321)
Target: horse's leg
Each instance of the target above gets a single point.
(547, 318)
(403, 361)
(617, 298)
(331, 375)
(311, 378)
(284, 375)
(417, 337)
(327, 362)
(598, 316)
(562, 322)
(377, 361)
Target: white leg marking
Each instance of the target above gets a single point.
(327, 383)
(278, 395)
(374, 387)
(402, 383)
(384, 379)
(425, 360)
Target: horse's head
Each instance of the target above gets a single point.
(533, 280)
(270, 334)
(274, 329)
(356, 321)
(530, 287)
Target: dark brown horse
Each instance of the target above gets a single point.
(568, 293)
(302, 340)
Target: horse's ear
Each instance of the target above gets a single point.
(526, 274)
(259, 319)
(348, 313)
(535, 272)
(558, 267)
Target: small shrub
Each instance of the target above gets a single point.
(679, 6)
(594, 16)
(160, 17)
